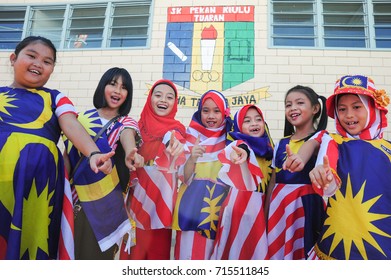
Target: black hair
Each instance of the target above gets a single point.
(111, 75)
(31, 39)
(315, 99)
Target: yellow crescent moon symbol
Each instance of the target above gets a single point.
(344, 83)
(9, 158)
(45, 115)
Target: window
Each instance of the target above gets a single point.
(382, 23)
(11, 27)
(116, 24)
(47, 22)
(129, 25)
(86, 27)
(331, 23)
(344, 24)
(293, 23)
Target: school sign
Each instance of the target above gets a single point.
(211, 47)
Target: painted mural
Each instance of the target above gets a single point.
(211, 48)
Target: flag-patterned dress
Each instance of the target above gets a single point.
(199, 201)
(100, 194)
(241, 233)
(200, 198)
(32, 173)
(296, 212)
(358, 215)
(154, 189)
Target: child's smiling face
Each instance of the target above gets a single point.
(33, 65)
(115, 93)
(211, 116)
(352, 113)
(163, 100)
(253, 123)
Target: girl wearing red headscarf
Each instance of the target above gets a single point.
(247, 170)
(200, 197)
(154, 187)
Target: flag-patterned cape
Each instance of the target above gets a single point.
(296, 212)
(31, 172)
(66, 247)
(358, 219)
(199, 201)
(200, 198)
(100, 194)
(242, 229)
(154, 189)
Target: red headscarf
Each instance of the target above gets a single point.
(153, 127)
(262, 146)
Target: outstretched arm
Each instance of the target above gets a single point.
(132, 159)
(76, 133)
(296, 162)
(238, 155)
(323, 179)
(175, 147)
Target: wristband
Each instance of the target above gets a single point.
(93, 153)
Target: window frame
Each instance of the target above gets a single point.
(369, 26)
(13, 9)
(65, 42)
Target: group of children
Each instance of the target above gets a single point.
(221, 185)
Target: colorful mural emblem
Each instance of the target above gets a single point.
(211, 48)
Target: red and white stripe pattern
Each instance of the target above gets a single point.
(246, 176)
(165, 161)
(127, 122)
(286, 222)
(242, 228)
(212, 139)
(154, 190)
(312, 256)
(66, 241)
(153, 198)
(64, 105)
(190, 245)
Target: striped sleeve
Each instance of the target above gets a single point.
(246, 176)
(318, 136)
(328, 147)
(63, 105)
(127, 122)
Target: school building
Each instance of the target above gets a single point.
(252, 51)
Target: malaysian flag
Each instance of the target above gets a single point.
(154, 190)
(358, 216)
(100, 195)
(198, 204)
(296, 211)
(242, 229)
(66, 242)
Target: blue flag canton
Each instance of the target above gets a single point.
(354, 81)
